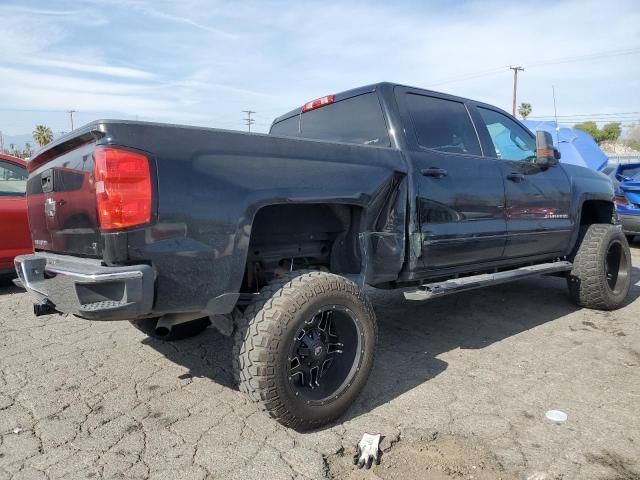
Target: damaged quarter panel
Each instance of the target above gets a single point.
(211, 184)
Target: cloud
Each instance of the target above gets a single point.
(109, 70)
(188, 21)
(12, 8)
(88, 101)
(55, 85)
(208, 60)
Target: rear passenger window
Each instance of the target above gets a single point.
(357, 120)
(443, 125)
(287, 128)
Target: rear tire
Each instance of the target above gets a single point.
(305, 322)
(601, 274)
(178, 332)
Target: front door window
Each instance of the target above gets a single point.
(510, 140)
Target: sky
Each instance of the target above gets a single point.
(203, 62)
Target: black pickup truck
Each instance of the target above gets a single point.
(272, 237)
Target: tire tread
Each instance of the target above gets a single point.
(261, 329)
(587, 284)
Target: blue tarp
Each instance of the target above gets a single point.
(577, 147)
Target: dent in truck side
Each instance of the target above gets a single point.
(459, 192)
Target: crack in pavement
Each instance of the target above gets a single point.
(98, 400)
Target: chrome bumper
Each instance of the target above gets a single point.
(84, 287)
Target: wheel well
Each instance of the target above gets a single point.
(293, 236)
(596, 211)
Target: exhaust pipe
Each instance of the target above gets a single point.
(45, 308)
(167, 322)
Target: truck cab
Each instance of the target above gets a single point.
(476, 195)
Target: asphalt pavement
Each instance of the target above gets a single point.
(460, 389)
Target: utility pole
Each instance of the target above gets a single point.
(515, 86)
(248, 120)
(1, 143)
(71, 112)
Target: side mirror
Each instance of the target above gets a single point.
(546, 154)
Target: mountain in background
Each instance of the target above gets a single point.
(20, 140)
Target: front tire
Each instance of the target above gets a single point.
(305, 346)
(601, 274)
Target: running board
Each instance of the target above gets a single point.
(439, 289)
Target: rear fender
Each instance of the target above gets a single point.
(213, 183)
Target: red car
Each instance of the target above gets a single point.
(15, 238)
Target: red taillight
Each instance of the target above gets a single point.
(621, 200)
(318, 102)
(123, 188)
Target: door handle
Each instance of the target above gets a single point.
(516, 177)
(434, 172)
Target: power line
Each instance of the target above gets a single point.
(30, 110)
(561, 60)
(581, 58)
(470, 76)
(573, 122)
(587, 119)
(608, 114)
(579, 119)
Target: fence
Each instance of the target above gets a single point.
(615, 159)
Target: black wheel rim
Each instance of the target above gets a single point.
(325, 354)
(616, 267)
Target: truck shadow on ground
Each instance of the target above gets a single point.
(7, 286)
(413, 334)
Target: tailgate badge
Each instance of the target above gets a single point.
(50, 207)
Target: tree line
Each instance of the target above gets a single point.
(41, 135)
(609, 132)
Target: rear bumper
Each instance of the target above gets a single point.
(85, 288)
(630, 223)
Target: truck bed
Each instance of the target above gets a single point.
(208, 185)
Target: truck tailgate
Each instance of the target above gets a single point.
(61, 200)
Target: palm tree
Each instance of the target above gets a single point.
(524, 110)
(42, 135)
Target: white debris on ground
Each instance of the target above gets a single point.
(368, 451)
(556, 416)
